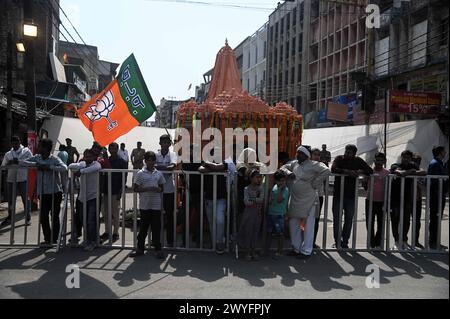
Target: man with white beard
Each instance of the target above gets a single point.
(306, 176)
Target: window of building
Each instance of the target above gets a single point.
(279, 85)
(286, 77)
(382, 56)
(281, 53)
(418, 43)
(256, 54)
(299, 73)
(444, 33)
(313, 92)
(282, 26)
(292, 75)
(300, 43)
(302, 9)
(298, 105)
(287, 50)
(403, 86)
(294, 16)
(248, 64)
(293, 47)
(288, 21)
(276, 32)
(265, 49)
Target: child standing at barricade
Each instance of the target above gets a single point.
(251, 220)
(379, 174)
(277, 212)
(149, 184)
(87, 170)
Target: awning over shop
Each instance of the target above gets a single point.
(19, 107)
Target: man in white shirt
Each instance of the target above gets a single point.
(306, 178)
(123, 153)
(87, 170)
(149, 183)
(16, 175)
(166, 161)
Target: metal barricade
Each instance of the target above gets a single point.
(128, 208)
(31, 233)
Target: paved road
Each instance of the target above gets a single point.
(39, 273)
(361, 238)
(36, 273)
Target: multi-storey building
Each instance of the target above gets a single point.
(337, 47)
(313, 47)
(411, 51)
(253, 69)
(166, 117)
(286, 55)
(13, 15)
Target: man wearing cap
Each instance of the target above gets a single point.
(71, 151)
(306, 177)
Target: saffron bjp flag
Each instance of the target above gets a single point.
(123, 105)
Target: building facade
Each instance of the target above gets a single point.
(13, 14)
(337, 48)
(253, 70)
(86, 74)
(288, 29)
(166, 117)
(239, 53)
(411, 51)
(313, 47)
(85, 56)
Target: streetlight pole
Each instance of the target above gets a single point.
(30, 32)
(9, 88)
(30, 90)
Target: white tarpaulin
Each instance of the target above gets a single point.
(417, 136)
(60, 128)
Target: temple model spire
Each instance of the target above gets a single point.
(226, 78)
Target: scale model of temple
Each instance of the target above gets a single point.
(228, 105)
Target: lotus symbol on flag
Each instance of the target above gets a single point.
(103, 108)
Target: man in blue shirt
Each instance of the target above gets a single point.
(436, 167)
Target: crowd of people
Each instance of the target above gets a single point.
(296, 198)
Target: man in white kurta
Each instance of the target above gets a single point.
(306, 176)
